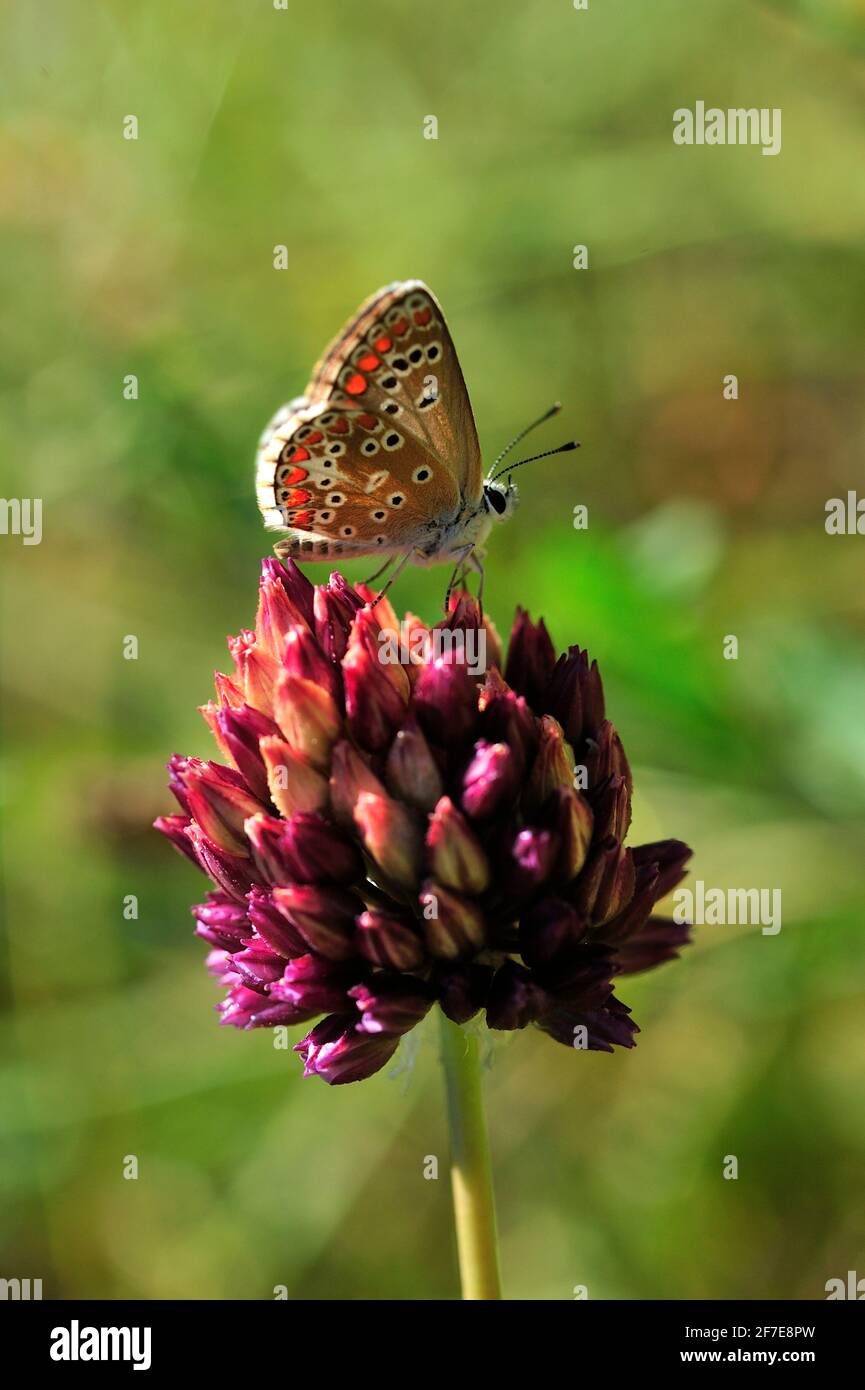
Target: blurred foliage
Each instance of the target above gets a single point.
(154, 257)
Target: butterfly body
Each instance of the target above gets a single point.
(380, 455)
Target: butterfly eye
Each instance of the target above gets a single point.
(393, 441)
(421, 475)
(397, 499)
(369, 446)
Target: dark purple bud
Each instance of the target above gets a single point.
(515, 999)
(454, 854)
(350, 774)
(552, 769)
(298, 588)
(388, 941)
(671, 856)
(374, 705)
(240, 729)
(220, 801)
(174, 828)
(463, 989)
(533, 858)
(303, 657)
(506, 718)
(177, 765)
(612, 806)
(575, 696)
(324, 916)
(598, 1030)
(489, 781)
(257, 965)
(635, 914)
(453, 926)
(338, 1052)
(607, 883)
(661, 939)
(221, 921)
(315, 851)
(550, 929)
(391, 1004)
(334, 607)
(570, 816)
(411, 770)
(272, 926)
(446, 702)
(531, 658)
(233, 873)
(604, 758)
(313, 986)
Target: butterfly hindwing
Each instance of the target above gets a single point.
(382, 449)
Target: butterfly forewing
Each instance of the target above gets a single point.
(382, 449)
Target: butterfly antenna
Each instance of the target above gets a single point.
(547, 415)
(548, 453)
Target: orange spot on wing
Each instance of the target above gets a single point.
(315, 438)
(367, 422)
(300, 455)
(339, 426)
(301, 519)
(356, 384)
(383, 344)
(400, 327)
(369, 362)
(422, 316)
(297, 498)
(296, 475)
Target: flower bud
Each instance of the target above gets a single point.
(374, 706)
(388, 941)
(294, 785)
(553, 768)
(570, 815)
(390, 836)
(339, 1053)
(411, 769)
(531, 658)
(323, 915)
(391, 1005)
(219, 800)
(454, 854)
(350, 775)
(314, 986)
(233, 873)
(575, 696)
(453, 926)
(308, 717)
(257, 671)
(316, 852)
(277, 614)
(174, 829)
(463, 989)
(302, 656)
(515, 999)
(549, 930)
(239, 733)
(489, 781)
(221, 921)
(446, 702)
(273, 927)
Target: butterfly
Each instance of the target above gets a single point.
(380, 456)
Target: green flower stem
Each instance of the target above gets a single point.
(471, 1173)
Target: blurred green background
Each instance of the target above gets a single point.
(155, 257)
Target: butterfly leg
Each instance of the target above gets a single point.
(458, 568)
(396, 574)
(478, 567)
(379, 572)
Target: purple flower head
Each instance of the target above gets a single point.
(386, 835)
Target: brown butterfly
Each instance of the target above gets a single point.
(381, 455)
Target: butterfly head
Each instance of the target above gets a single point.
(500, 500)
